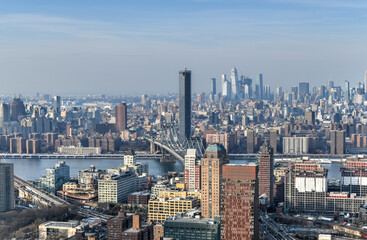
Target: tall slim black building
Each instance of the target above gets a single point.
(213, 88)
(185, 104)
(304, 88)
(17, 109)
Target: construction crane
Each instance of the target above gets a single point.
(90, 182)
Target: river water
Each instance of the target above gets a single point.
(31, 169)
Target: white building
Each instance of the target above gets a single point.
(234, 81)
(115, 188)
(296, 145)
(58, 230)
(130, 158)
(192, 173)
(72, 150)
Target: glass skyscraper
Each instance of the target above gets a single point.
(185, 104)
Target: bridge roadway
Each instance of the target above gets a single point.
(272, 229)
(40, 194)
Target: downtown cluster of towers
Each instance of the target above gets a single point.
(237, 88)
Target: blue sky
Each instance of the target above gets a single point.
(133, 47)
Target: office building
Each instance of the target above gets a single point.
(250, 141)
(6, 186)
(211, 175)
(266, 173)
(213, 88)
(138, 198)
(296, 145)
(184, 105)
(240, 204)
(17, 109)
(57, 104)
(234, 82)
(4, 114)
(186, 228)
(121, 117)
(227, 90)
(116, 188)
(304, 89)
(192, 170)
(161, 208)
(337, 142)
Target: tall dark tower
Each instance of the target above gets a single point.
(266, 172)
(213, 88)
(17, 109)
(121, 117)
(185, 104)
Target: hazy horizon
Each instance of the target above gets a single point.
(130, 48)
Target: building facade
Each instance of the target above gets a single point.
(240, 204)
(6, 186)
(266, 172)
(211, 175)
(184, 104)
(121, 117)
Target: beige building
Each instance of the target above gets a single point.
(211, 175)
(160, 209)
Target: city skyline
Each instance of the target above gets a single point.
(72, 48)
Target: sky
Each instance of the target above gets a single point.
(123, 47)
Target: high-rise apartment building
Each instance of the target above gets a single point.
(6, 186)
(240, 204)
(266, 172)
(121, 117)
(17, 109)
(337, 142)
(213, 88)
(296, 145)
(211, 175)
(192, 170)
(184, 104)
(4, 114)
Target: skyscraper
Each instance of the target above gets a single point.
(57, 104)
(4, 113)
(310, 117)
(227, 90)
(274, 140)
(304, 88)
(240, 205)
(234, 82)
(347, 91)
(121, 117)
(213, 89)
(184, 104)
(266, 172)
(365, 82)
(17, 109)
(261, 86)
(211, 176)
(6, 186)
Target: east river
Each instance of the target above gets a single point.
(31, 169)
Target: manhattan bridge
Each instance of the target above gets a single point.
(168, 141)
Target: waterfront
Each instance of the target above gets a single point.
(31, 169)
